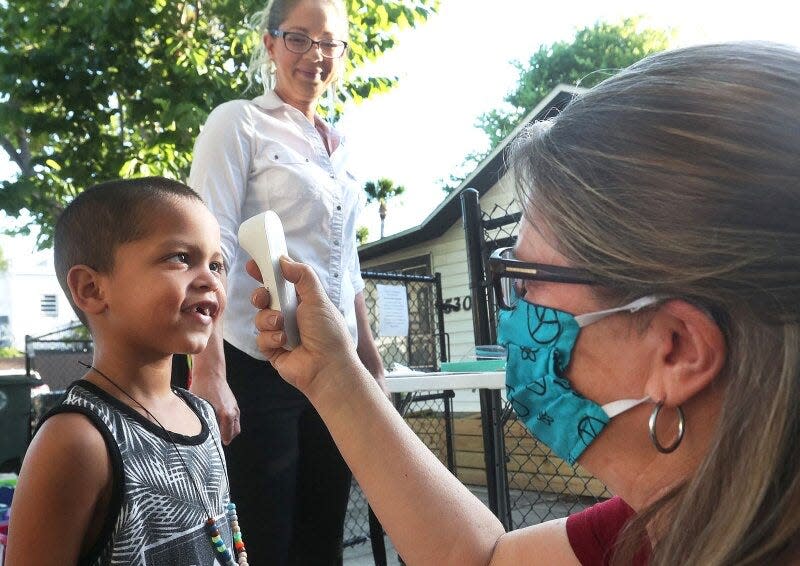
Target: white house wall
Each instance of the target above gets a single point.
(27, 280)
(449, 258)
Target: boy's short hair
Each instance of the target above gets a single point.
(104, 216)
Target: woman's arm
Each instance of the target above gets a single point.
(429, 515)
(209, 381)
(62, 496)
(367, 349)
(220, 166)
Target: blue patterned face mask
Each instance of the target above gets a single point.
(539, 342)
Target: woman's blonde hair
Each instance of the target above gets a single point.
(268, 18)
(680, 176)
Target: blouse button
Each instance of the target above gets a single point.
(338, 207)
(276, 156)
(333, 176)
(336, 275)
(336, 242)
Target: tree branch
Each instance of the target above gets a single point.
(25, 153)
(12, 152)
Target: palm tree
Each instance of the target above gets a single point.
(382, 191)
(362, 235)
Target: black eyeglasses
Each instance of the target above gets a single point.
(508, 272)
(300, 43)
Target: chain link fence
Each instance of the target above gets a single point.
(429, 414)
(54, 357)
(421, 347)
(540, 486)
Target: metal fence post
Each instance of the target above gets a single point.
(443, 353)
(28, 355)
(448, 399)
(491, 402)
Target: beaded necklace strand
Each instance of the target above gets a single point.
(225, 555)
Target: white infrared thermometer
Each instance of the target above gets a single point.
(262, 237)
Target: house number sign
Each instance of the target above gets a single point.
(455, 304)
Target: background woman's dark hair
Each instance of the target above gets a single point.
(680, 176)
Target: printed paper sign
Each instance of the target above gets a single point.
(393, 309)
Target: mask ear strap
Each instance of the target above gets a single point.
(618, 407)
(637, 305)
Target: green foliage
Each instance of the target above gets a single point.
(78, 332)
(10, 352)
(382, 190)
(362, 235)
(594, 54)
(373, 30)
(97, 89)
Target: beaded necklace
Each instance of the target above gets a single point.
(224, 554)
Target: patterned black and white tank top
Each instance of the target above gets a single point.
(154, 516)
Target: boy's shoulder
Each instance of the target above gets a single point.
(66, 479)
(74, 423)
(69, 445)
(74, 405)
(69, 438)
(71, 428)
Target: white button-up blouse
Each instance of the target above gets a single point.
(260, 154)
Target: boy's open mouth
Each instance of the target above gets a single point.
(204, 308)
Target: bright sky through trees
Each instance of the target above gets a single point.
(457, 66)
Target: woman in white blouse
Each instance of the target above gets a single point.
(275, 152)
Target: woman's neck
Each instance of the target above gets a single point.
(634, 470)
(306, 107)
(326, 134)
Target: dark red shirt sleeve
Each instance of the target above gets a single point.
(593, 532)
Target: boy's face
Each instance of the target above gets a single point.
(166, 289)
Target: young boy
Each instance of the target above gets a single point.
(126, 469)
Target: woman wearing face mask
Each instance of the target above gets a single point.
(652, 324)
(275, 152)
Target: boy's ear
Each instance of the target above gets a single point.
(85, 286)
(689, 353)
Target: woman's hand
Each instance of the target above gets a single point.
(209, 381)
(325, 345)
(216, 391)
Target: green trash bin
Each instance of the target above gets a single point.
(15, 417)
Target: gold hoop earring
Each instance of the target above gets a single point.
(654, 435)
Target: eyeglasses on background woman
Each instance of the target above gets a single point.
(300, 43)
